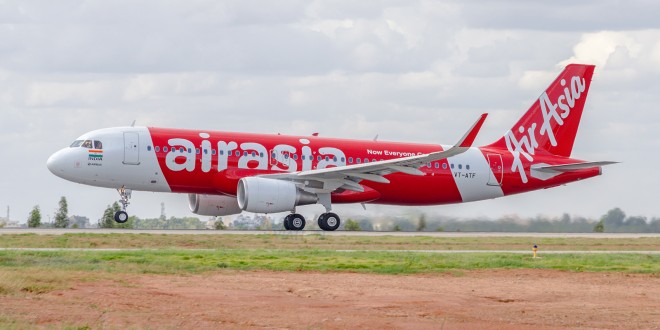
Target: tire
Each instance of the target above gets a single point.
(121, 217)
(286, 222)
(329, 221)
(296, 222)
(322, 222)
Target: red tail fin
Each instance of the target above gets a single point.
(551, 123)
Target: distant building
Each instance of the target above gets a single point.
(257, 221)
(6, 223)
(76, 221)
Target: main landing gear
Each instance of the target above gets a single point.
(125, 196)
(327, 221)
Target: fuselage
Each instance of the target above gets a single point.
(212, 162)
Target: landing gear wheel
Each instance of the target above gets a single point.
(296, 222)
(286, 222)
(121, 216)
(329, 221)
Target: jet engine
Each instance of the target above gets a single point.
(213, 205)
(263, 195)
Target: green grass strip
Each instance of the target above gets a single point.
(194, 262)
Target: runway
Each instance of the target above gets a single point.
(52, 231)
(347, 251)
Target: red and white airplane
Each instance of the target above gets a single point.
(226, 173)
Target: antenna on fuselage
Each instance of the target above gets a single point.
(376, 138)
(133, 124)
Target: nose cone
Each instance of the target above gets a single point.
(55, 163)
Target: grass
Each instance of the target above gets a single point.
(195, 262)
(36, 272)
(322, 242)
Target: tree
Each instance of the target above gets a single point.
(34, 220)
(352, 225)
(62, 217)
(613, 218)
(396, 228)
(421, 223)
(219, 225)
(599, 227)
(108, 219)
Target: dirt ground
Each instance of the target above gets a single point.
(494, 299)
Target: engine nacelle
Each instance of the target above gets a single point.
(213, 205)
(263, 195)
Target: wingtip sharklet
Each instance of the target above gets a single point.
(469, 137)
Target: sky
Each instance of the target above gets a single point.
(414, 71)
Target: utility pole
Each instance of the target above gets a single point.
(7, 212)
(162, 210)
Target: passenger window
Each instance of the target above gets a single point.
(327, 158)
(467, 167)
(358, 160)
(286, 156)
(366, 160)
(460, 166)
(148, 148)
(428, 165)
(213, 152)
(245, 153)
(350, 160)
(452, 166)
(238, 153)
(318, 158)
(181, 149)
(98, 145)
(157, 148)
(197, 151)
(437, 165)
(206, 151)
(295, 157)
(302, 157)
(165, 149)
(261, 154)
(444, 166)
(189, 150)
(334, 158)
(343, 160)
(254, 154)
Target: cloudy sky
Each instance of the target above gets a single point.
(418, 71)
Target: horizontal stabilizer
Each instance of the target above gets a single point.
(570, 167)
(545, 171)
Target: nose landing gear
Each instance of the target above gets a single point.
(125, 196)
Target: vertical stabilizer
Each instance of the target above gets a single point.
(551, 123)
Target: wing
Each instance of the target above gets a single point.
(327, 180)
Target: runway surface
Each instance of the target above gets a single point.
(349, 251)
(51, 231)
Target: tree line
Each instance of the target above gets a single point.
(613, 221)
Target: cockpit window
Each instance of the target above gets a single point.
(89, 144)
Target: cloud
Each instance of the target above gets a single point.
(407, 70)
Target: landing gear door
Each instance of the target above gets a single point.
(131, 148)
(496, 169)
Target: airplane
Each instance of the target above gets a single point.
(226, 173)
